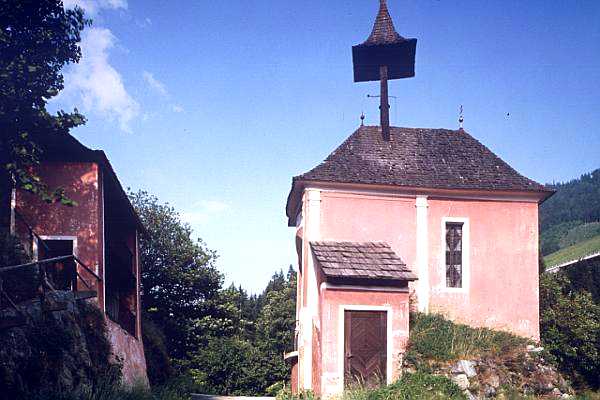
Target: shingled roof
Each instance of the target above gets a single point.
(417, 158)
(370, 261)
(383, 29)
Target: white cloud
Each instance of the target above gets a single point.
(96, 84)
(177, 108)
(204, 211)
(155, 84)
(91, 7)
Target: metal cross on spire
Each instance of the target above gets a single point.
(383, 56)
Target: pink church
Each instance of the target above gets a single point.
(430, 215)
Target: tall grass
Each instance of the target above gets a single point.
(433, 337)
(178, 389)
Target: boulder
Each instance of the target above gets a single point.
(461, 380)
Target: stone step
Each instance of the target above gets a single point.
(85, 294)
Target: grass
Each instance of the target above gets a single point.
(418, 385)
(178, 389)
(434, 338)
(573, 252)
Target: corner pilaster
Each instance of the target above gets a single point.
(422, 259)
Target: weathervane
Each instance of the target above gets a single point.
(383, 56)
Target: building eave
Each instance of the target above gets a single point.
(510, 195)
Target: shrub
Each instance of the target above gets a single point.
(229, 366)
(20, 284)
(432, 337)
(158, 363)
(570, 327)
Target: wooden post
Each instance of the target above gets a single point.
(385, 105)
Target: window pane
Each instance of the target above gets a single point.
(454, 255)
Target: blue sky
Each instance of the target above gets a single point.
(214, 105)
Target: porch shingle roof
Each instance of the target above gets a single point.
(368, 260)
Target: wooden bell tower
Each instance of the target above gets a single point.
(383, 56)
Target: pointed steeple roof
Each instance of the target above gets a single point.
(383, 29)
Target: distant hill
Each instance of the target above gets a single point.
(572, 215)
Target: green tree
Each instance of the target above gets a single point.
(570, 328)
(247, 358)
(181, 287)
(37, 39)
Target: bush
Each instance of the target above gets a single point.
(229, 366)
(570, 327)
(158, 363)
(432, 337)
(19, 284)
(111, 390)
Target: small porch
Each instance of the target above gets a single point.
(361, 327)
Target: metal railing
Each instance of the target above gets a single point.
(44, 280)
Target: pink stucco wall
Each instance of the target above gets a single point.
(82, 184)
(130, 352)
(503, 266)
(331, 369)
(503, 286)
(370, 218)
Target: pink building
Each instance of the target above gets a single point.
(401, 215)
(432, 204)
(102, 232)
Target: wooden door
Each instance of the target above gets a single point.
(365, 344)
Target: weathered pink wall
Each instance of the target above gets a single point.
(130, 351)
(332, 367)
(82, 184)
(503, 287)
(369, 218)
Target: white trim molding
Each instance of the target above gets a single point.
(422, 254)
(312, 228)
(53, 237)
(389, 339)
(466, 250)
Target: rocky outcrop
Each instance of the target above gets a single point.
(523, 371)
(63, 349)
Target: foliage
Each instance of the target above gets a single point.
(229, 365)
(432, 337)
(418, 385)
(19, 284)
(230, 342)
(575, 203)
(66, 351)
(250, 360)
(180, 283)
(570, 328)
(37, 39)
(111, 389)
(574, 252)
(158, 362)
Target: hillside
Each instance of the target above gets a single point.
(572, 215)
(575, 252)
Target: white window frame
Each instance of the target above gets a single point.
(53, 237)
(389, 339)
(466, 247)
